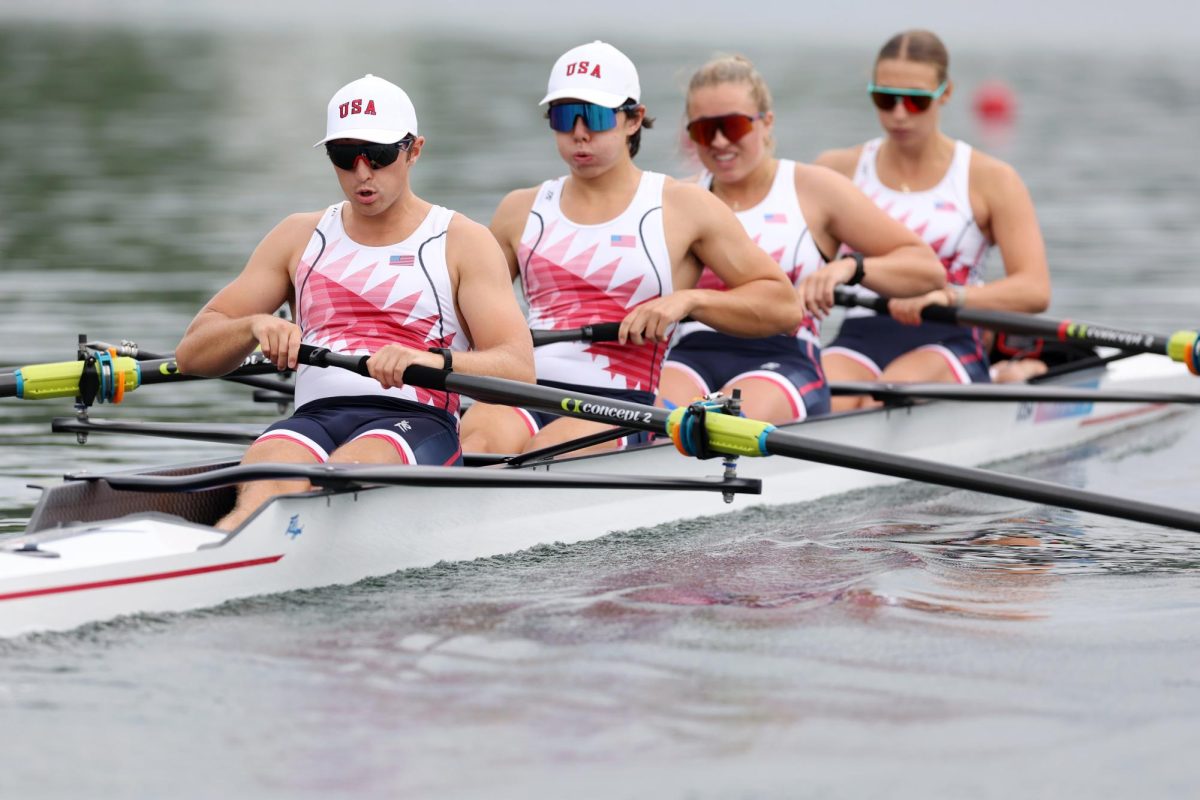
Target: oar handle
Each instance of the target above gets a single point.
(417, 375)
(600, 332)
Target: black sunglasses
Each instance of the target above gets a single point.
(377, 156)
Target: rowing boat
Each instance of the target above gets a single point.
(102, 546)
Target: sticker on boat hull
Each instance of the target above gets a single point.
(1051, 412)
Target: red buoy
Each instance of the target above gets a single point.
(994, 101)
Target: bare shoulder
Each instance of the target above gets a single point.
(842, 160)
(464, 229)
(688, 195)
(820, 177)
(518, 202)
(298, 225)
(466, 238)
(989, 173)
(280, 248)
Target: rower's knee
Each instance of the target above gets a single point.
(490, 428)
(678, 386)
(1017, 371)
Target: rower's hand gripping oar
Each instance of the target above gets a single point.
(1181, 346)
(708, 432)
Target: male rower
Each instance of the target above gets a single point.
(383, 273)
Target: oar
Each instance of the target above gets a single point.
(112, 377)
(1004, 392)
(1182, 346)
(728, 435)
(141, 354)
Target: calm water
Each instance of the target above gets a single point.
(907, 642)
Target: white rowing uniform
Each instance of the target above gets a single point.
(790, 361)
(777, 226)
(354, 299)
(941, 216)
(575, 275)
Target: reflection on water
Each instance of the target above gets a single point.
(707, 659)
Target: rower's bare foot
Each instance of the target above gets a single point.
(1018, 371)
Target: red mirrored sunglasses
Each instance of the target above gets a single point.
(732, 127)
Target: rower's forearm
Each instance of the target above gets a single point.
(215, 344)
(754, 309)
(1016, 293)
(511, 362)
(904, 272)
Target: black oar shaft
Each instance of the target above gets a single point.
(510, 393)
(788, 444)
(1025, 324)
(1004, 392)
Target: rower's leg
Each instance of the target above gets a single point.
(678, 386)
(253, 494)
(368, 450)
(488, 428)
(838, 367)
(925, 366)
(564, 429)
(767, 397)
(1018, 370)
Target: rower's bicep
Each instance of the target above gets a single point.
(265, 283)
(485, 298)
(1015, 229)
(703, 231)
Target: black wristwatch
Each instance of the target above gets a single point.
(859, 272)
(447, 357)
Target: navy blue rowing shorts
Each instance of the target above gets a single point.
(875, 342)
(421, 434)
(794, 365)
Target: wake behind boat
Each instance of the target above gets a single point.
(103, 546)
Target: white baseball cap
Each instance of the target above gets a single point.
(595, 73)
(370, 109)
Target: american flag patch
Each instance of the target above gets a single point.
(943, 205)
(779, 218)
(623, 241)
(401, 261)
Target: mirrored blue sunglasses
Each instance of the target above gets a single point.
(596, 118)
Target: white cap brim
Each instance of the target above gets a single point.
(367, 135)
(606, 99)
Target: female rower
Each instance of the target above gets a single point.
(961, 202)
(797, 213)
(609, 242)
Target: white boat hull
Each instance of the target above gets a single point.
(82, 572)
